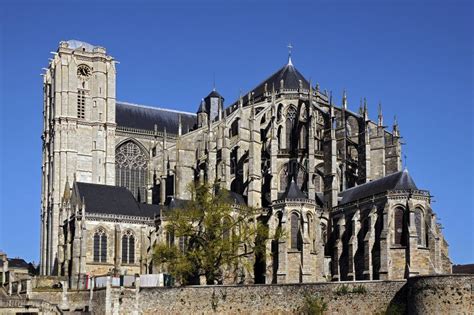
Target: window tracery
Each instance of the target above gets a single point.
(128, 248)
(100, 245)
(131, 166)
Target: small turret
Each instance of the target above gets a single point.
(344, 100)
(395, 130)
(210, 108)
(202, 114)
(380, 123)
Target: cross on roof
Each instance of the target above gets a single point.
(290, 47)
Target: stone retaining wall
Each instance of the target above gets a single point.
(450, 294)
(341, 298)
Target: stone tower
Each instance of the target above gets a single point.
(78, 131)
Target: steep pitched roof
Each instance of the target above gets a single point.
(145, 117)
(396, 181)
(291, 80)
(113, 200)
(293, 192)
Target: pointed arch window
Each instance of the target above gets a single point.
(420, 226)
(131, 169)
(296, 241)
(128, 248)
(290, 126)
(400, 226)
(100, 245)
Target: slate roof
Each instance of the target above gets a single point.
(106, 199)
(237, 198)
(396, 181)
(145, 117)
(18, 263)
(293, 192)
(289, 74)
(467, 268)
(291, 77)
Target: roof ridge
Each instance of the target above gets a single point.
(156, 108)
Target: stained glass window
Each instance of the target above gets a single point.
(128, 248)
(131, 169)
(100, 245)
(419, 225)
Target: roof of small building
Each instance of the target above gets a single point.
(18, 263)
(467, 268)
(396, 181)
(107, 199)
(146, 117)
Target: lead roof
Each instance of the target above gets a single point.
(106, 199)
(145, 118)
(396, 181)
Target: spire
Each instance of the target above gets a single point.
(366, 111)
(395, 130)
(290, 63)
(380, 123)
(344, 99)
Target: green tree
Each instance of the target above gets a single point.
(213, 236)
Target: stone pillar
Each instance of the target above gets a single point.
(162, 190)
(377, 146)
(83, 257)
(255, 178)
(76, 255)
(385, 241)
(369, 242)
(338, 246)
(226, 159)
(353, 244)
(274, 165)
(307, 265)
(330, 166)
(311, 159)
(117, 249)
(283, 250)
(412, 246)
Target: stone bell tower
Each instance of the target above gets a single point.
(78, 131)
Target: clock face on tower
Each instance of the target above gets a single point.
(83, 71)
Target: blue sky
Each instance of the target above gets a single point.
(416, 57)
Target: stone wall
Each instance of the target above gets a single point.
(450, 294)
(341, 298)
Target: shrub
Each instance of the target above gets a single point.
(314, 305)
(360, 289)
(342, 289)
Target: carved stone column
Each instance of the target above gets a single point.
(353, 243)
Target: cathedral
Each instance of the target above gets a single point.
(329, 177)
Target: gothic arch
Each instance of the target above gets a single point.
(400, 226)
(131, 167)
(128, 247)
(99, 244)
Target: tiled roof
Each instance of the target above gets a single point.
(396, 181)
(145, 117)
(106, 199)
